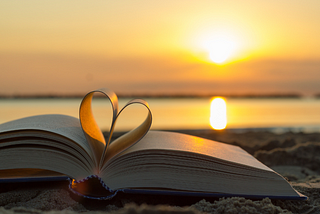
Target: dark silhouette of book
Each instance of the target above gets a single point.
(53, 147)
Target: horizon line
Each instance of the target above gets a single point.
(159, 95)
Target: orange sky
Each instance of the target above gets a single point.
(159, 46)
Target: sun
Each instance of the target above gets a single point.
(220, 47)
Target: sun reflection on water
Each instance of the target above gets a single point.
(218, 113)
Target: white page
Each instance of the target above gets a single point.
(60, 124)
(187, 143)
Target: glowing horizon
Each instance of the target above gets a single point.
(160, 46)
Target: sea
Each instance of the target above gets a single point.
(241, 114)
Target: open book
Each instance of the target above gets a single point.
(141, 161)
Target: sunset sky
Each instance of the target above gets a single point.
(160, 47)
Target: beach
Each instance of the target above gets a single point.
(293, 155)
(244, 73)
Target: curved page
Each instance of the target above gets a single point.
(129, 139)
(90, 127)
(101, 149)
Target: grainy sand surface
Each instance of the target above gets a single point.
(294, 155)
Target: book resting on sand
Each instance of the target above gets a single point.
(141, 161)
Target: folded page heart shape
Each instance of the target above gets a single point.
(105, 150)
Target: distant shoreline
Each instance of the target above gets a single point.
(247, 96)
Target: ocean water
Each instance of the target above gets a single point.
(285, 114)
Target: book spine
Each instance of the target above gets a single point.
(108, 194)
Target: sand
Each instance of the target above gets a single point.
(293, 155)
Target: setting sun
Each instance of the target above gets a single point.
(220, 45)
(221, 49)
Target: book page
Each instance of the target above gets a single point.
(187, 143)
(90, 127)
(45, 158)
(130, 138)
(63, 125)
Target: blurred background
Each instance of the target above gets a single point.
(261, 57)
